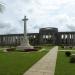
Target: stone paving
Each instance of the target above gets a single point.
(46, 65)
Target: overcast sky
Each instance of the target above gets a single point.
(41, 13)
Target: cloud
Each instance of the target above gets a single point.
(71, 27)
(4, 25)
(41, 13)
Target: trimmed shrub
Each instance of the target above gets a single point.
(67, 53)
(11, 49)
(37, 47)
(62, 46)
(28, 50)
(70, 47)
(72, 59)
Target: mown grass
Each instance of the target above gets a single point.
(16, 63)
(61, 48)
(63, 65)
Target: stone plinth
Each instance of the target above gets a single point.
(25, 45)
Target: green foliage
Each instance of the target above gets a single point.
(72, 59)
(67, 48)
(63, 65)
(16, 63)
(67, 53)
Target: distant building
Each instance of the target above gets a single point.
(48, 35)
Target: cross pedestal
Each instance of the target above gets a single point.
(25, 42)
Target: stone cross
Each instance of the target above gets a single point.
(25, 42)
(25, 31)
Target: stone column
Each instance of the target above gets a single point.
(72, 39)
(25, 31)
(68, 39)
(64, 39)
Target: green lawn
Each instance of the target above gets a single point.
(63, 66)
(60, 48)
(16, 63)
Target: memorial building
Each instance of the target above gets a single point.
(48, 35)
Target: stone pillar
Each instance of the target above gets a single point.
(68, 39)
(72, 39)
(25, 32)
(64, 39)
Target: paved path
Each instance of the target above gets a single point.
(46, 65)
